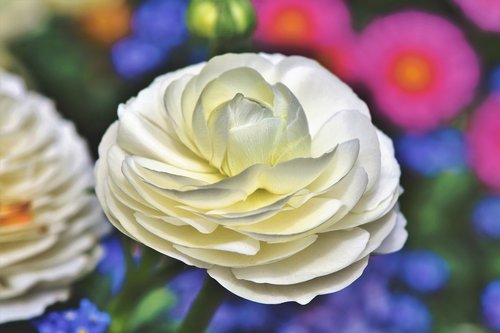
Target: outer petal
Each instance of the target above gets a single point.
(301, 293)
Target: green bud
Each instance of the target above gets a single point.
(220, 19)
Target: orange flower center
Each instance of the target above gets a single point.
(412, 72)
(15, 214)
(292, 24)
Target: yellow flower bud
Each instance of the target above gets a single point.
(222, 19)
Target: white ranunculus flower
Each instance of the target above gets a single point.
(49, 221)
(264, 169)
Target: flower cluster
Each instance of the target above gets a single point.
(86, 319)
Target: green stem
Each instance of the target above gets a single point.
(202, 310)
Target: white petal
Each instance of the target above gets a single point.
(330, 253)
(289, 224)
(388, 180)
(396, 239)
(219, 239)
(349, 125)
(268, 253)
(30, 305)
(379, 230)
(141, 137)
(320, 93)
(301, 293)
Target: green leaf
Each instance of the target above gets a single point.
(151, 307)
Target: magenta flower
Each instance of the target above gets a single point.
(301, 24)
(420, 68)
(483, 139)
(484, 13)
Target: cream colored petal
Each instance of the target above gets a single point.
(213, 132)
(168, 205)
(330, 253)
(268, 253)
(396, 239)
(173, 108)
(301, 293)
(389, 177)
(141, 137)
(342, 162)
(131, 227)
(294, 222)
(63, 251)
(284, 178)
(220, 64)
(150, 102)
(252, 144)
(30, 305)
(295, 140)
(320, 93)
(14, 252)
(379, 230)
(243, 80)
(220, 239)
(214, 68)
(171, 177)
(60, 274)
(349, 125)
(356, 219)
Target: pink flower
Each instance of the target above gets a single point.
(483, 140)
(318, 28)
(484, 13)
(420, 68)
(300, 24)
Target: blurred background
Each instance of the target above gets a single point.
(429, 71)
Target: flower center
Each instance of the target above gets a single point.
(15, 214)
(412, 72)
(292, 24)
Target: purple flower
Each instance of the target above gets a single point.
(425, 271)
(113, 262)
(432, 153)
(161, 22)
(409, 315)
(486, 217)
(490, 301)
(133, 57)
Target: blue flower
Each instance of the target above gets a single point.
(490, 302)
(185, 287)
(495, 80)
(86, 319)
(241, 316)
(432, 153)
(425, 271)
(113, 262)
(133, 57)
(161, 22)
(409, 315)
(486, 217)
